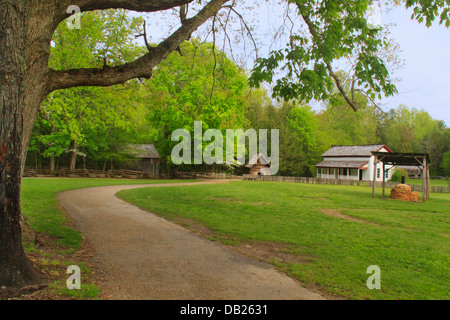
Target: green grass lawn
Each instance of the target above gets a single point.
(408, 241)
(433, 182)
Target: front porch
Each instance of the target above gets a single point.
(340, 173)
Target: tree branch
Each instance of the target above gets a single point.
(215, 58)
(145, 37)
(315, 38)
(249, 31)
(183, 13)
(340, 88)
(140, 68)
(371, 100)
(134, 5)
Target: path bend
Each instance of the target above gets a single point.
(144, 257)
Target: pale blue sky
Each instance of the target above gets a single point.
(425, 77)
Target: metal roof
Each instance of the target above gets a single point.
(402, 159)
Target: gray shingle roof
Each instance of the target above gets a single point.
(341, 164)
(352, 151)
(145, 151)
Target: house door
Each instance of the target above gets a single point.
(360, 175)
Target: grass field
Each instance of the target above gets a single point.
(333, 233)
(433, 182)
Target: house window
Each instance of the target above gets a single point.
(387, 174)
(345, 172)
(378, 173)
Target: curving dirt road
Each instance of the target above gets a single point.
(143, 256)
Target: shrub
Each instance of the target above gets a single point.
(398, 174)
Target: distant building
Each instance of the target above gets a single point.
(353, 163)
(259, 165)
(414, 172)
(148, 158)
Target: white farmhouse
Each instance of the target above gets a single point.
(353, 163)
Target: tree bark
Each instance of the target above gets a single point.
(15, 269)
(73, 155)
(52, 163)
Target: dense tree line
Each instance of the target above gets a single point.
(200, 83)
(306, 134)
(103, 122)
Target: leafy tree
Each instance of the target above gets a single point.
(297, 125)
(404, 129)
(202, 84)
(398, 174)
(436, 142)
(82, 120)
(258, 102)
(410, 130)
(302, 121)
(299, 155)
(446, 163)
(341, 126)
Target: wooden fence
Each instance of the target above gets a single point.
(85, 173)
(418, 188)
(208, 175)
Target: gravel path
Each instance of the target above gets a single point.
(142, 256)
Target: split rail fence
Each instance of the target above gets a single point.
(85, 173)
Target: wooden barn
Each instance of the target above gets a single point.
(259, 165)
(148, 158)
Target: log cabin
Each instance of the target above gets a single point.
(148, 158)
(259, 165)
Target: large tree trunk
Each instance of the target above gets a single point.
(52, 163)
(26, 29)
(15, 269)
(73, 155)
